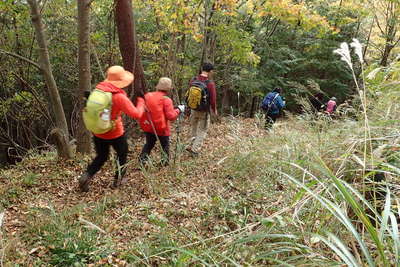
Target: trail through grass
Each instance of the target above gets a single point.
(242, 202)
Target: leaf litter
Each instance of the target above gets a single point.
(177, 198)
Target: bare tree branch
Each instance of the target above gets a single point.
(21, 57)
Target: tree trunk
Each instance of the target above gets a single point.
(225, 99)
(83, 136)
(392, 18)
(253, 107)
(57, 137)
(171, 64)
(368, 38)
(386, 53)
(128, 45)
(181, 84)
(204, 49)
(44, 62)
(207, 54)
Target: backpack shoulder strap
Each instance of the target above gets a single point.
(273, 99)
(192, 80)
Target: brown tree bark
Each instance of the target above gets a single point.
(389, 30)
(368, 38)
(128, 45)
(225, 99)
(253, 107)
(44, 63)
(386, 53)
(207, 54)
(83, 136)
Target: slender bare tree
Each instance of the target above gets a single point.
(61, 134)
(128, 44)
(83, 136)
(387, 18)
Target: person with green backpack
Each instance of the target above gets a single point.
(102, 117)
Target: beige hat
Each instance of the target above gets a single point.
(119, 77)
(164, 84)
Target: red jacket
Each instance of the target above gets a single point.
(159, 110)
(120, 103)
(211, 90)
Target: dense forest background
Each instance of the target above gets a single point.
(255, 45)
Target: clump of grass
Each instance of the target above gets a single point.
(10, 195)
(64, 238)
(30, 179)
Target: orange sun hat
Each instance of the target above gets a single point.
(119, 77)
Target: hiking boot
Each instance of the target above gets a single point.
(118, 178)
(118, 182)
(192, 153)
(84, 181)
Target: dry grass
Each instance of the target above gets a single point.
(196, 212)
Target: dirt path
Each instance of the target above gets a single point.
(179, 194)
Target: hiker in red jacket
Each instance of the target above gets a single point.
(117, 78)
(155, 121)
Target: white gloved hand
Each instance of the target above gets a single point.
(181, 108)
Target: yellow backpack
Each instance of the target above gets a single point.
(197, 96)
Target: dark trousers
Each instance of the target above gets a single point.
(102, 147)
(151, 140)
(270, 119)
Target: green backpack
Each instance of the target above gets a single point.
(97, 112)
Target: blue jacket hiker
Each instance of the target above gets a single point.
(272, 105)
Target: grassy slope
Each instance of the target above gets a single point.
(232, 205)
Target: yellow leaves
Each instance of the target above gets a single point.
(173, 16)
(236, 44)
(295, 14)
(149, 46)
(227, 7)
(253, 58)
(198, 37)
(250, 5)
(186, 23)
(284, 9)
(262, 13)
(225, 4)
(160, 13)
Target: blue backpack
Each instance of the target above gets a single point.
(268, 103)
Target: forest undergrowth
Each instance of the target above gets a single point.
(311, 192)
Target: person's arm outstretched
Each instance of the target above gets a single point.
(126, 106)
(170, 112)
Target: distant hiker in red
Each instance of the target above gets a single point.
(201, 105)
(117, 78)
(331, 106)
(155, 122)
